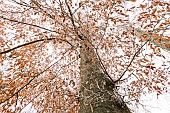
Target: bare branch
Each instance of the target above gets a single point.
(62, 11)
(16, 93)
(28, 24)
(39, 6)
(133, 58)
(137, 52)
(103, 67)
(7, 51)
(72, 20)
(4, 11)
(22, 45)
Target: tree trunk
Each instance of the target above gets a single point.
(98, 93)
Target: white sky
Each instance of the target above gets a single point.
(150, 102)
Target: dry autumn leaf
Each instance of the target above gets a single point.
(70, 57)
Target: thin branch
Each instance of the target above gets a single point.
(25, 45)
(133, 58)
(16, 93)
(32, 100)
(100, 62)
(104, 31)
(3, 11)
(44, 12)
(72, 20)
(103, 67)
(22, 4)
(136, 53)
(28, 24)
(80, 5)
(39, 6)
(22, 45)
(28, 82)
(54, 77)
(61, 8)
(71, 15)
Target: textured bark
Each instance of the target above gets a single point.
(98, 93)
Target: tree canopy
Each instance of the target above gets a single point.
(40, 42)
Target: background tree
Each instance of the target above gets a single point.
(42, 42)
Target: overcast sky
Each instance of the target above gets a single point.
(151, 103)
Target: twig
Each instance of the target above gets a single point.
(61, 8)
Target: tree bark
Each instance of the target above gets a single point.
(98, 93)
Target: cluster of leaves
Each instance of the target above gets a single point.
(40, 43)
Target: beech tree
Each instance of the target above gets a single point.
(87, 56)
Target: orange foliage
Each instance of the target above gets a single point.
(40, 46)
(133, 0)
